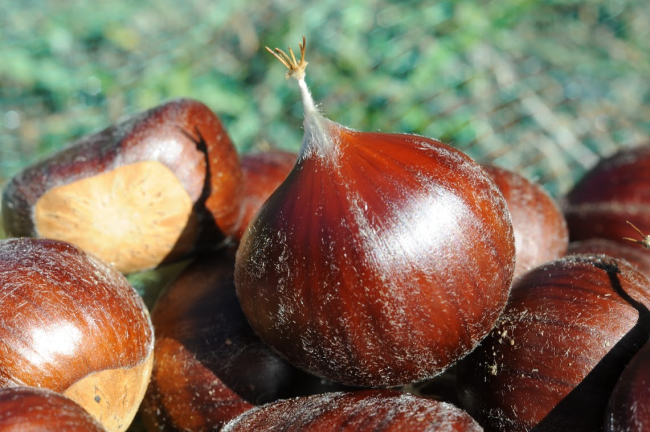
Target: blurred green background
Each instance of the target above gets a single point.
(542, 87)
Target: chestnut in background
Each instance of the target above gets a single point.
(613, 192)
(35, 409)
(360, 411)
(552, 360)
(262, 173)
(629, 407)
(209, 365)
(73, 324)
(631, 253)
(146, 191)
(541, 233)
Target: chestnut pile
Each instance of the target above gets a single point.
(322, 289)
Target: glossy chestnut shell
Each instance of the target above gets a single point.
(552, 360)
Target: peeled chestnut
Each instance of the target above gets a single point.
(360, 411)
(34, 409)
(146, 191)
(73, 324)
(380, 260)
(553, 358)
(628, 409)
(615, 191)
(541, 233)
(262, 173)
(209, 365)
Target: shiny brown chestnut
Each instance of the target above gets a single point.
(73, 324)
(262, 173)
(627, 251)
(551, 362)
(381, 260)
(209, 365)
(613, 192)
(145, 191)
(34, 409)
(541, 233)
(360, 411)
(628, 409)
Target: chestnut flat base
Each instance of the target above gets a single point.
(114, 395)
(131, 217)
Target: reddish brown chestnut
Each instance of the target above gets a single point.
(550, 364)
(613, 192)
(32, 409)
(145, 191)
(262, 173)
(72, 324)
(361, 411)
(596, 246)
(541, 233)
(209, 365)
(628, 409)
(380, 260)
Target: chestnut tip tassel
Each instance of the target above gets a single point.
(381, 260)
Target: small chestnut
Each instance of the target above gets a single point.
(146, 191)
(541, 233)
(73, 324)
(35, 409)
(552, 360)
(360, 411)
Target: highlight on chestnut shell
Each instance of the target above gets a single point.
(37, 409)
(73, 324)
(381, 260)
(359, 411)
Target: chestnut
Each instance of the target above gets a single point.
(613, 192)
(541, 233)
(628, 409)
(627, 251)
(146, 191)
(36, 409)
(552, 360)
(360, 411)
(73, 324)
(262, 173)
(209, 365)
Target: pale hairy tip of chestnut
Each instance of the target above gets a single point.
(645, 239)
(114, 406)
(132, 217)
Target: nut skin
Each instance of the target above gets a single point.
(360, 411)
(69, 318)
(541, 233)
(360, 263)
(183, 135)
(628, 409)
(551, 362)
(614, 191)
(34, 409)
(209, 364)
(262, 173)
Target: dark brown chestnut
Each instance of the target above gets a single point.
(541, 233)
(613, 192)
(73, 324)
(262, 173)
(627, 251)
(628, 409)
(360, 411)
(551, 362)
(209, 365)
(30, 409)
(148, 190)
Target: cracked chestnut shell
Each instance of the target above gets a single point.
(553, 358)
(382, 258)
(148, 190)
(73, 324)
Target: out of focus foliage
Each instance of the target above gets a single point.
(543, 87)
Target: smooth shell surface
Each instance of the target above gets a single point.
(380, 262)
(551, 362)
(363, 411)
